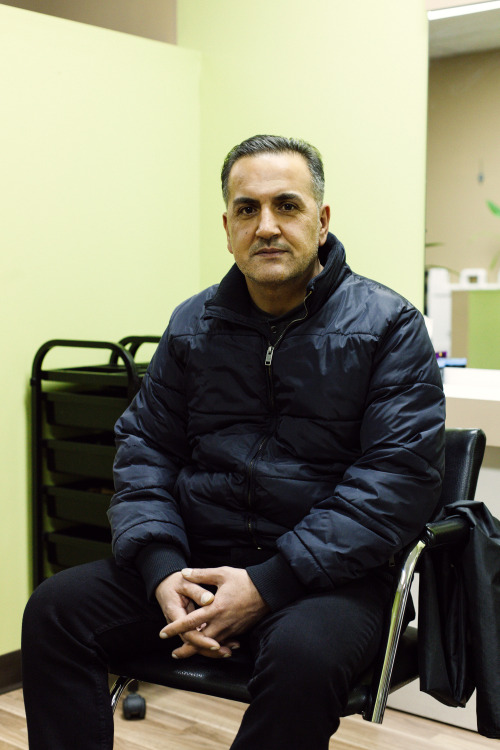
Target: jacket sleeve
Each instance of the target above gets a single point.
(151, 449)
(388, 494)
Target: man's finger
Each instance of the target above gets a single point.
(196, 637)
(186, 622)
(233, 645)
(196, 593)
(203, 575)
(184, 651)
(197, 640)
(206, 598)
(193, 634)
(187, 650)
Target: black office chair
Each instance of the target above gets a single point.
(398, 662)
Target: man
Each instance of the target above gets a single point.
(287, 441)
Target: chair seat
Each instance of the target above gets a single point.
(228, 678)
(224, 678)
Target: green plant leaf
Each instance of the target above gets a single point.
(493, 208)
(495, 260)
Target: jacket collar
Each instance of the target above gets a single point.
(232, 293)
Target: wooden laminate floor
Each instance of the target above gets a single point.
(186, 721)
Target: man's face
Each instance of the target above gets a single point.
(273, 223)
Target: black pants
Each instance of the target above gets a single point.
(307, 656)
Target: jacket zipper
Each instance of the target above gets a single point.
(268, 363)
(271, 347)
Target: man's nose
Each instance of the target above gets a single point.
(268, 225)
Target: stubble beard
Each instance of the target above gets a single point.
(287, 275)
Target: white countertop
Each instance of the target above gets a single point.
(479, 287)
(473, 400)
(466, 382)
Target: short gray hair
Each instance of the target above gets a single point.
(262, 144)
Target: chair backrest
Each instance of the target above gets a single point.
(464, 451)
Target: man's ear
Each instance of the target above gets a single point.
(324, 223)
(226, 228)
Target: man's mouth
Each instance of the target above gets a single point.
(270, 251)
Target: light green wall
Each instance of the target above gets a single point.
(484, 329)
(351, 77)
(99, 232)
(100, 174)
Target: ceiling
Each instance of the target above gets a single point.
(460, 35)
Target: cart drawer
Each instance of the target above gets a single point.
(84, 410)
(72, 546)
(83, 458)
(80, 503)
(96, 376)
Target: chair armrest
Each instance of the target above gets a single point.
(440, 533)
(449, 531)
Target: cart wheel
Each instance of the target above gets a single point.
(134, 706)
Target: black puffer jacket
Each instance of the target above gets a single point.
(329, 457)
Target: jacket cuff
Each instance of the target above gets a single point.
(276, 582)
(157, 561)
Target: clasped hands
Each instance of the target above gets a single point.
(208, 623)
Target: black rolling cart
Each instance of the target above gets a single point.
(74, 410)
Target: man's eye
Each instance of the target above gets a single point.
(288, 206)
(246, 210)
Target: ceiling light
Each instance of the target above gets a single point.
(462, 10)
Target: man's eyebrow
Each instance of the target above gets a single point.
(288, 197)
(242, 199)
